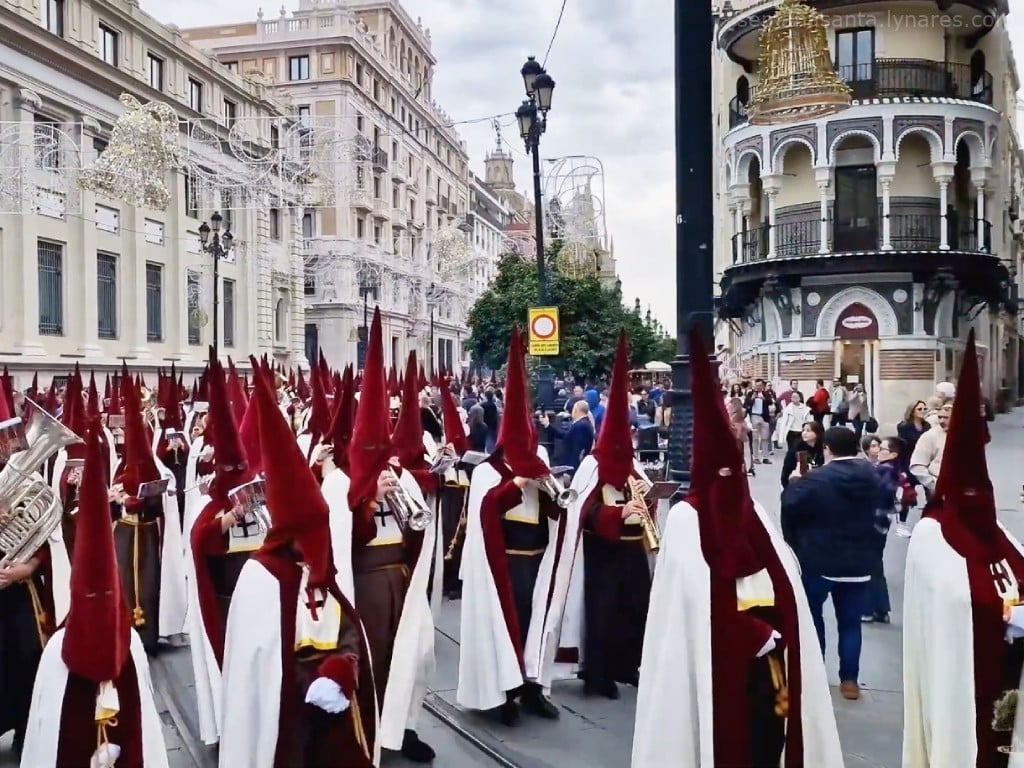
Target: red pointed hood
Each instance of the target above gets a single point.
(454, 434)
(421, 382)
(230, 465)
(33, 391)
(236, 393)
(138, 465)
(344, 419)
(92, 403)
(517, 437)
(6, 412)
(50, 403)
(964, 499)
(394, 390)
(97, 632)
(298, 511)
(106, 389)
(718, 482)
(407, 439)
(320, 417)
(370, 448)
(614, 448)
(114, 406)
(8, 387)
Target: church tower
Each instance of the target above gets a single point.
(498, 170)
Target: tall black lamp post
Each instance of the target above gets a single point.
(694, 32)
(533, 118)
(218, 247)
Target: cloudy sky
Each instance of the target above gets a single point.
(612, 64)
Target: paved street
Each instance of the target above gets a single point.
(595, 732)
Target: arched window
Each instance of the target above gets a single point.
(979, 78)
(743, 90)
(281, 320)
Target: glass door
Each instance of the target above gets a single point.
(855, 60)
(855, 214)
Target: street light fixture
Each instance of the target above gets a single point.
(532, 117)
(218, 247)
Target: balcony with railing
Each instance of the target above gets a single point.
(895, 234)
(379, 160)
(899, 78)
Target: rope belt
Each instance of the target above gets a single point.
(135, 521)
(525, 552)
(102, 740)
(401, 567)
(37, 608)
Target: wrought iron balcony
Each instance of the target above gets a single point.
(899, 78)
(907, 232)
(379, 159)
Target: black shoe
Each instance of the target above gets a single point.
(416, 751)
(539, 705)
(509, 713)
(18, 744)
(609, 690)
(882, 618)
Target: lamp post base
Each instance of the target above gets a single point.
(544, 386)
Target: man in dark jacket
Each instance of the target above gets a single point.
(576, 439)
(829, 519)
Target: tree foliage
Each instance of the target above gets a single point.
(591, 314)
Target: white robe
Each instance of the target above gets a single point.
(252, 673)
(488, 666)
(412, 661)
(43, 733)
(173, 595)
(673, 725)
(938, 657)
(205, 670)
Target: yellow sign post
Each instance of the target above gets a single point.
(544, 331)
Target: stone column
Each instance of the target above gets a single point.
(943, 174)
(979, 175)
(26, 236)
(823, 178)
(86, 294)
(772, 185)
(886, 173)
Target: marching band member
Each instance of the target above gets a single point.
(298, 685)
(93, 700)
(224, 536)
(962, 624)
(26, 611)
(732, 673)
(510, 613)
(618, 530)
(454, 495)
(149, 546)
(387, 562)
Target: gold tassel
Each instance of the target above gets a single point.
(138, 615)
(463, 520)
(779, 683)
(37, 608)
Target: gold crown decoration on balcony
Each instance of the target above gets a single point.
(143, 150)
(797, 80)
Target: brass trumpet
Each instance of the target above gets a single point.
(552, 486)
(638, 492)
(408, 511)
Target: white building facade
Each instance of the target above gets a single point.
(394, 229)
(92, 279)
(863, 246)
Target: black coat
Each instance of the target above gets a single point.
(829, 519)
(815, 455)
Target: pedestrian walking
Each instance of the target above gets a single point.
(829, 518)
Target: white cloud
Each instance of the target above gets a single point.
(612, 62)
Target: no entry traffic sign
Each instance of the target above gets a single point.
(544, 330)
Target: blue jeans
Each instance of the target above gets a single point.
(849, 600)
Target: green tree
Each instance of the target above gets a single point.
(591, 314)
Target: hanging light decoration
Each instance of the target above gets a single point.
(143, 149)
(797, 81)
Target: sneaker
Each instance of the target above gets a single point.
(766, 461)
(903, 530)
(867, 618)
(849, 690)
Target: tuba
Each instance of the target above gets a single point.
(408, 511)
(29, 510)
(559, 494)
(637, 491)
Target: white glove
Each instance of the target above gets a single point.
(770, 645)
(105, 756)
(1015, 624)
(326, 694)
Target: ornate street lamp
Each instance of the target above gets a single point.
(218, 247)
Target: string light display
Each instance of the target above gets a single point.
(143, 149)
